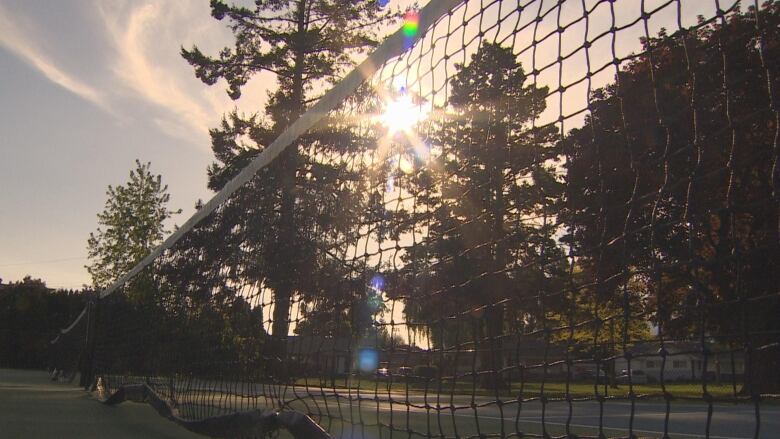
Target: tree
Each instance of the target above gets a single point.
(672, 176)
(130, 225)
(493, 174)
(31, 315)
(306, 44)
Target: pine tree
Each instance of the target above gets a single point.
(130, 225)
(306, 44)
(493, 175)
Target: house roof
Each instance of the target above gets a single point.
(671, 347)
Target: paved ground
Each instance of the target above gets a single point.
(352, 415)
(686, 420)
(33, 407)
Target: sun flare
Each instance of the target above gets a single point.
(401, 115)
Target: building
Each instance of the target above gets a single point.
(684, 361)
(320, 355)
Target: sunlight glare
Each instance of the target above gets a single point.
(401, 115)
(405, 164)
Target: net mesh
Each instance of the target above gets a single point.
(542, 219)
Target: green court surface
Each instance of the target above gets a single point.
(32, 406)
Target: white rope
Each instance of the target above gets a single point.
(72, 325)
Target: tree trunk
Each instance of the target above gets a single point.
(493, 358)
(287, 230)
(491, 355)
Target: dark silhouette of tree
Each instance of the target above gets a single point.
(283, 214)
(201, 288)
(488, 195)
(672, 177)
(130, 226)
(31, 315)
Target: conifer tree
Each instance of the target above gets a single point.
(494, 173)
(130, 225)
(306, 44)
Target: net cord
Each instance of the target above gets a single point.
(72, 325)
(394, 46)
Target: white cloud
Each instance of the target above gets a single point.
(18, 37)
(137, 36)
(143, 64)
(147, 36)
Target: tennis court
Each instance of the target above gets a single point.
(32, 406)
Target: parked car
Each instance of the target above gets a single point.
(637, 377)
(382, 373)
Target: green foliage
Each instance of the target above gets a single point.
(672, 176)
(31, 315)
(621, 318)
(296, 40)
(489, 196)
(130, 226)
(493, 173)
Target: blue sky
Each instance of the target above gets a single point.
(87, 87)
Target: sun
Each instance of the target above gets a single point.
(401, 115)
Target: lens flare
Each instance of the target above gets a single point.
(422, 151)
(368, 360)
(411, 24)
(405, 164)
(378, 283)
